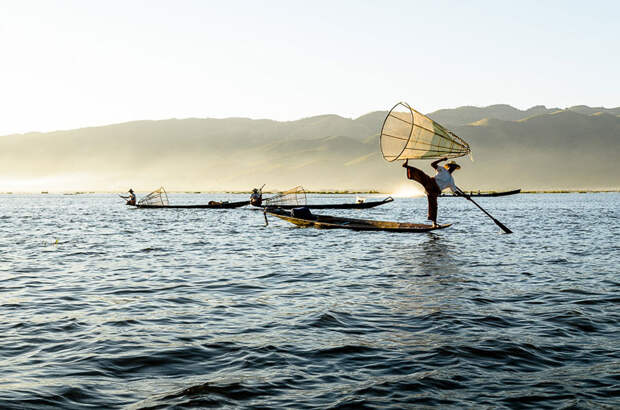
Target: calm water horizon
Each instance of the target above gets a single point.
(106, 306)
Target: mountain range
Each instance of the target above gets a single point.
(535, 149)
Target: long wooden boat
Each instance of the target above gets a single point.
(333, 222)
(356, 205)
(212, 205)
(484, 194)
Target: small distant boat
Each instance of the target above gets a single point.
(304, 218)
(484, 194)
(296, 197)
(158, 199)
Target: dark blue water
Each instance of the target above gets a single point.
(108, 307)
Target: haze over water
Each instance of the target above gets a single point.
(160, 308)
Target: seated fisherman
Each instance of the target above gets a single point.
(256, 198)
(131, 198)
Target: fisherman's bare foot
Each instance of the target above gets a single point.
(435, 225)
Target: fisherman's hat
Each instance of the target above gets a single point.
(130, 190)
(452, 164)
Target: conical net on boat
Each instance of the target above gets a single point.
(294, 196)
(157, 197)
(408, 134)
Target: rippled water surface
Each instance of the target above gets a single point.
(108, 307)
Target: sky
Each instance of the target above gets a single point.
(72, 64)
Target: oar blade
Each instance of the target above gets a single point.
(498, 223)
(501, 225)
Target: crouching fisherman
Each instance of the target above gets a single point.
(434, 185)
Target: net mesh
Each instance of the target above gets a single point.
(408, 134)
(157, 197)
(294, 196)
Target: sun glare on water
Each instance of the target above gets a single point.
(407, 191)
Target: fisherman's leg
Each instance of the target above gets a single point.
(429, 184)
(432, 208)
(417, 175)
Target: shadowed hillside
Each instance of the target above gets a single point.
(538, 148)
(561, 150)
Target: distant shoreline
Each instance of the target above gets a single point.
(326, 192)
(571, 191)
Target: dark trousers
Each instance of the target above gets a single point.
(431, 188)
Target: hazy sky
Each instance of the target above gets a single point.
(70, 64)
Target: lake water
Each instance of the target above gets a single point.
(104, 306)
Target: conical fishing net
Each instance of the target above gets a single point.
(294, 196)
(408, 134)
(157, 197)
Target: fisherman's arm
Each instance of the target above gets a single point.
(434, 164)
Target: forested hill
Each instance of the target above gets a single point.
(538, 148)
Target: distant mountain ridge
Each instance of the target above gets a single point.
(467, 115)
(537, 148)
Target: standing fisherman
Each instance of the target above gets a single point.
(434, 185)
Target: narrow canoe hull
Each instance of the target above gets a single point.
(360, 205)
(219, 205)
(333, 222)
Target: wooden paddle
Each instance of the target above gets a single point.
(498, 223)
